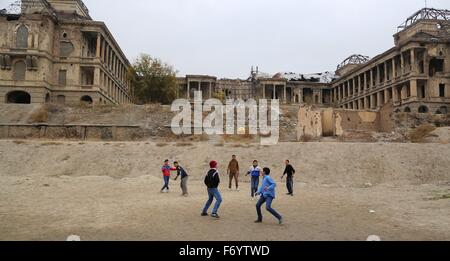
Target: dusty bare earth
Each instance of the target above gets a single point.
(110, 191)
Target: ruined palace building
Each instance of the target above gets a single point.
(53, 51)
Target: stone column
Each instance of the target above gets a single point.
(338, 91)
(264, 91)
(380, 98)
(402, 64)
(386, 95)
(188, 94)
(320, 96)
(285, 94)
(395, 97)
(413, 61)
(360, 104)
(378, 76)
(210, 90)
(365, 81)
(274, 92)
(300, 96)
(394, 69)
(385, 73)
(360, 84)
(371, 79)
(413, 86)
(372, 101)
(97, 54)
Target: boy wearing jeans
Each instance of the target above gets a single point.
(267, 192)
(166, 175)
(212, 181)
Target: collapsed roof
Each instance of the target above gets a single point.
(426, 14)
(325, 77)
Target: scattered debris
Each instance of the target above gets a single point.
(372, 211)
(368, 185)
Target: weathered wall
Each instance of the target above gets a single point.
(358, 120)
(320, 122)
(309, 123)
(73, 132)
(386, 124)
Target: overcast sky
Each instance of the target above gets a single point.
(226, 37)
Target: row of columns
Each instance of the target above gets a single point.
(274, 91)
(117, 67)
(376, 100)
(373, 77)
(188, 94)
(113, 90)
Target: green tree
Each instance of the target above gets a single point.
(153, 81)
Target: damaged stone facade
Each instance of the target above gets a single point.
(414, 75)
(289, 88)
(316, 122)
(52, 51)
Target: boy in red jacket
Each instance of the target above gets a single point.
(166, 169)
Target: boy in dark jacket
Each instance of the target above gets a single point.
(184, 178)
(212, 181)
(290, 172)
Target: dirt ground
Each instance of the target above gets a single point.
(110, 191)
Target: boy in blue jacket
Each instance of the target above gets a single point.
(267, 193)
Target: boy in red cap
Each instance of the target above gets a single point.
(212, 181)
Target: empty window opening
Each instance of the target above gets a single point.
(86, 99)
(326, 97)
(89, 45)
(381, 78)
(407, 110)
(47, 98)
(444, 109)
(87, 76)
(423, 109)
(19, 97)
(422, 91)
(436, 66)
(441, 90)
(421, 67)
(307, 96)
